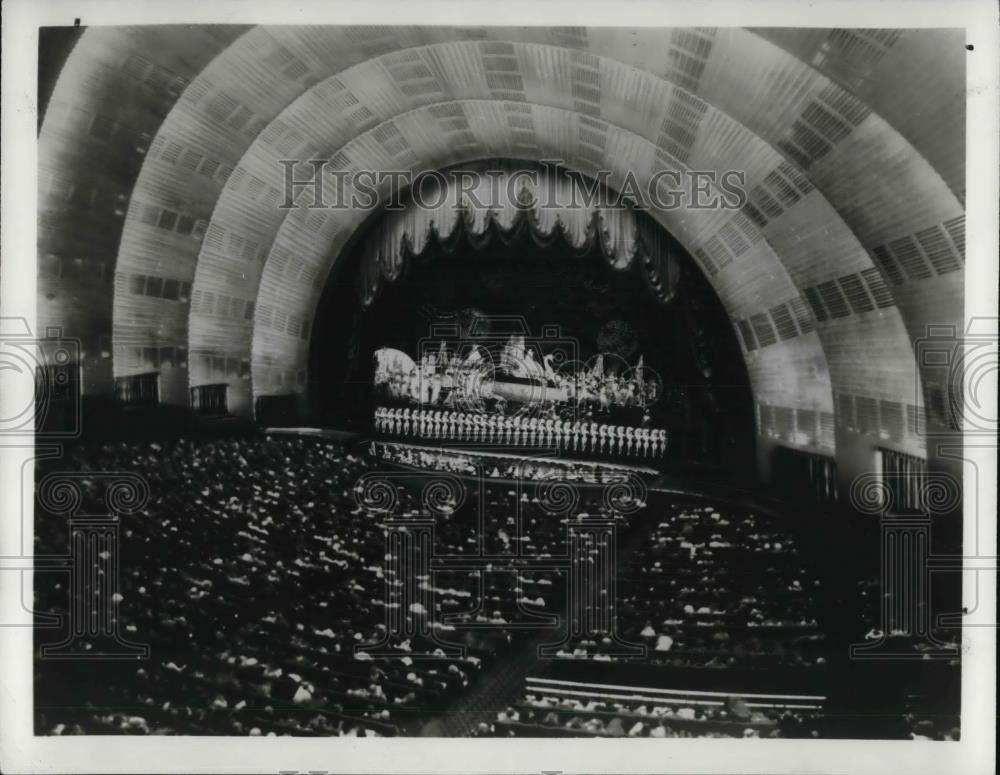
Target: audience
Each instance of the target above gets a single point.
(542, 715)
(257, 577)
(252, 573)
(718, 587)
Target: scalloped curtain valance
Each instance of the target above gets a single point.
(627, 238)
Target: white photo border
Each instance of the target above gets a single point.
(21, 751)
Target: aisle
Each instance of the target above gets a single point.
(503, 686)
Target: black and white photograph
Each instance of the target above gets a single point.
(516, 388)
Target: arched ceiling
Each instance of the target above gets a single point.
(878, 66)
(277, 353)
(851, 244)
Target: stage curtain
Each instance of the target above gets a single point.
(209, 399)
(618, 236)
(806, 474)
(371, 270)
(387, 245)
(627, 239)
(576, 223)
(138, 389)
(905, 477)
(659, 260)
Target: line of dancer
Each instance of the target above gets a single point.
(521, 430)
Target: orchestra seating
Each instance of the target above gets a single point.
(258, 580)
(721, 585)
(251, 589)
(552, 708)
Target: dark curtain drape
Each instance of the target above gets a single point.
(138, 389)
(905, 477)
(277, 411)
(210, 399)
(806, 474)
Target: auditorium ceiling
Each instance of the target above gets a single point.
(162, 245)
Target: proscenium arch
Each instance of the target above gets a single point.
(800, 361)
(767, 93)
(908, 380)
(508, 215)
(298, 234)
(911, 381)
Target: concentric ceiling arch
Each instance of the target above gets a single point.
(826, 146)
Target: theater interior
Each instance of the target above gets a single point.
(339, 536)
